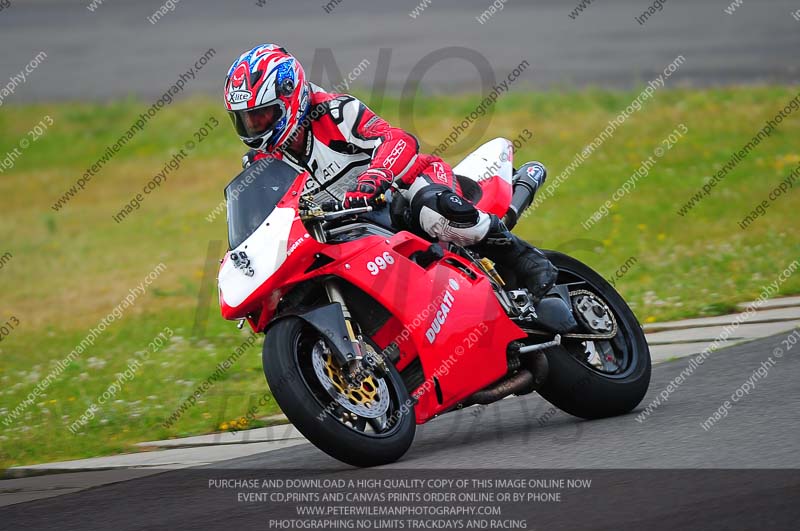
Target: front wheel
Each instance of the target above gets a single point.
(596, 378)
(368, 424)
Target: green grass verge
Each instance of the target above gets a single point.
(68, 269)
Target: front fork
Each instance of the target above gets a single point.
(335, 295)
(363, 352)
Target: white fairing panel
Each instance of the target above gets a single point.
(495, 157)
(266, 249)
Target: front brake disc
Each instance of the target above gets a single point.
(370, 399)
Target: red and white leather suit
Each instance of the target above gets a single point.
(349, 152)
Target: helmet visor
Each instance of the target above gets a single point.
(252, 123)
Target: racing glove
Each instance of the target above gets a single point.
(250, 157)
(368, 189)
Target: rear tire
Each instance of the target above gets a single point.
(575, 387)
(299, 396)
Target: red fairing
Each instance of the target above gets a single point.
(446, 314)
(300, 249)
(496, 196)
(453, 321)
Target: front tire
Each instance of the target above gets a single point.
(298, 390)
(577, 387)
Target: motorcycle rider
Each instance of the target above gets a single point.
(353, 156)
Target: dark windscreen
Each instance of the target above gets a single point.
(253, 194)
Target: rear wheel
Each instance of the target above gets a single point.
(596, 378)
(368, 423)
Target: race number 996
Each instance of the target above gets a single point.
(379, 263)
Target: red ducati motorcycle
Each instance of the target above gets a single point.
(370, 330)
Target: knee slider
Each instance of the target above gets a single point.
(457, 210)
(427, 196)
(435, 206)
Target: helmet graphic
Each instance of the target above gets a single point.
(267, 96)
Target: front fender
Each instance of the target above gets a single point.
(328, 320)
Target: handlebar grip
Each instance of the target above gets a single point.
(331, 206)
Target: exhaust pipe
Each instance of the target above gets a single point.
(526, 182)
(524, 381)
(520, 382)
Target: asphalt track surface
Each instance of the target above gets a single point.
(657, 474)
(115, 52)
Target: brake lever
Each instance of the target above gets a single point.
(320, 214)
(327, 216)
(330, 210)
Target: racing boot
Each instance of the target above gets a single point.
(528, 264)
